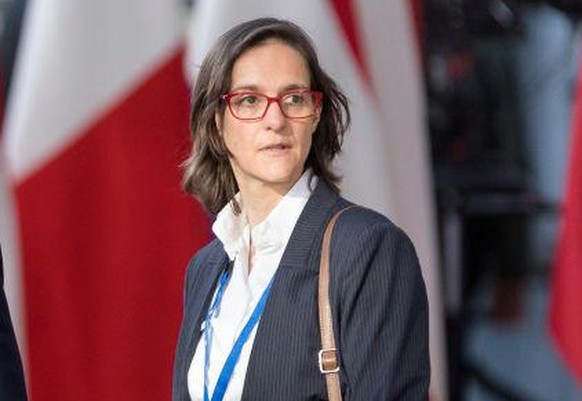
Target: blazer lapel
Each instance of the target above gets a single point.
(195, 312)
(300, 259)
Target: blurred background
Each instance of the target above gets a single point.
(501, 89)
(466, 132)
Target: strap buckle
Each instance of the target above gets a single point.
(327, 360)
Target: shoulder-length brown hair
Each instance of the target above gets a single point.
(207, 172)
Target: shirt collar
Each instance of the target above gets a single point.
(274, 231)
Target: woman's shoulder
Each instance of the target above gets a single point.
(203, 261)
(365, 239)
(362, 217)
(209, 255)
(358, 222)
(211, 252)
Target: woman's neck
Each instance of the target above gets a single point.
(258, 204)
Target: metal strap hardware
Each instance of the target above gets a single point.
(327, 359)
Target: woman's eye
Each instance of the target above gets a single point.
(295, 98)
(250, 99)
(246, 100)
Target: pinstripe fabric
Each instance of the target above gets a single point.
(378, 300)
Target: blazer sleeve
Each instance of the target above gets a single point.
(11, 375)
(382, 310)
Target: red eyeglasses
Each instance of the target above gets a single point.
(252, 106)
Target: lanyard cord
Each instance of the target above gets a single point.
(224, 278)
(232, 359)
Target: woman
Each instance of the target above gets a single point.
(267, 122)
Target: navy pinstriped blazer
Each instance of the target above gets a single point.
(12, 386)
(378, 301)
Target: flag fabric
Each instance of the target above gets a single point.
(95, 131)
(371, 50)
(566, 293)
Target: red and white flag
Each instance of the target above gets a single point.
(95, 131)
(370, 48)
(566, 296)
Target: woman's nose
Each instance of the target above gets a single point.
(274, 116)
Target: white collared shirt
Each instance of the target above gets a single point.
(269, 240)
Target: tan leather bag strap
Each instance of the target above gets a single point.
(328, 363)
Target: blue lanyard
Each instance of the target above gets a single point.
(233, 356)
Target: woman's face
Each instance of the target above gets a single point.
(269, 153)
